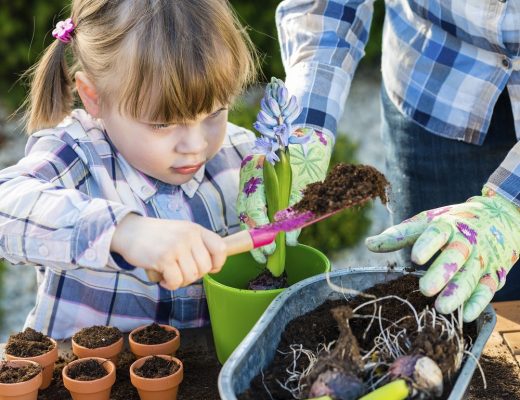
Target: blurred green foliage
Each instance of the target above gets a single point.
(26, 25)
(340, 231)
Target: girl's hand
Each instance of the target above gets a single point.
(181, 251)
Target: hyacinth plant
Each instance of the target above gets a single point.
(278, 110)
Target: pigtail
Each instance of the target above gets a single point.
(50, 97)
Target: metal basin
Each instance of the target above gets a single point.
(258, 348)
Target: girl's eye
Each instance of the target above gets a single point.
(217, 113)
(157, 127)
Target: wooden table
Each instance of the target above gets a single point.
(505, 339)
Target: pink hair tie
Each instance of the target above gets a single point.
(63, 30)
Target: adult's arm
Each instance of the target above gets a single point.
(321, 44)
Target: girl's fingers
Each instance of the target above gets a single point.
(188, 267)
(216, 248)
(172, 277)
(460, 287)
(202, 257)
(431, 241)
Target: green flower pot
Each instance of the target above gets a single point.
(234, 310)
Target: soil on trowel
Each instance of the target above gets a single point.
(153, 334)
(28, 343)
(266, 281)
(320, 326)
(15, 374)
(87, 370)
(97, 336)
(344, 186)
(157, 367)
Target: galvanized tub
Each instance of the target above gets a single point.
(258, 348)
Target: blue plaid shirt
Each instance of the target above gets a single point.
(444, 64)
(59, 207)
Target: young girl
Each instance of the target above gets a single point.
(145, 177)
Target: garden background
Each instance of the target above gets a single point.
(25, 31)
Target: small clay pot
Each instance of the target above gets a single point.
(110, 352)
(164, 388)
(46, 361)
(98, 389)
(142, 350)
(27, 390)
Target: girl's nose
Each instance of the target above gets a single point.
(193, 140)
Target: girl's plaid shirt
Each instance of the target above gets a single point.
(58, 210)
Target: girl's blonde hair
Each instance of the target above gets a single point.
(159, 60)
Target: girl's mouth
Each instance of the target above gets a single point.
(188, 169)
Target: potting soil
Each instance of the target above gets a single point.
(153, 334)
(10, 374)
(87, 370)
(97, 336)
(157, 367)
(28, 343)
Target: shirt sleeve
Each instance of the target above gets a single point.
(506, 178)
(321, 44)
(45, 219)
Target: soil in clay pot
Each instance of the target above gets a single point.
(320, 328)
(344, 186)
(87, 370)
(90, 378)
(157, 377)
(154, 339)
(98, 341)
(11, 372)
(20, 380)
(35, 346)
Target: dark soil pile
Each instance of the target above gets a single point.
(28, 343)
(319, 326)
(97, 336)
(344, 186)
(503, 381)
(266, 281)
(16, 374)
(157, 367)
(153, 334)
(87, 370)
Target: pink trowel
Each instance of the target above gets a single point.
(285, 221)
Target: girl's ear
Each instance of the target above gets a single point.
(88, 94)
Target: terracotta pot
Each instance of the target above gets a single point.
(27, 390)
(110, 352)
(98, 389)
(143, 350)
(160, 388)
(46, 360)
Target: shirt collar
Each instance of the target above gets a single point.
(146, 187)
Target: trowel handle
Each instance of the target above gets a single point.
(236, 243)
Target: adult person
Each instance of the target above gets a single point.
(451, 107)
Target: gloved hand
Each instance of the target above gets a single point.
(480, 242)
(309, 163)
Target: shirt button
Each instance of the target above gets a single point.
(43, 251)
(506, 63)
(90, 254)
(147, 191)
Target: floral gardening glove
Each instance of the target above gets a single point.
(480, 242)
(309, 163)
